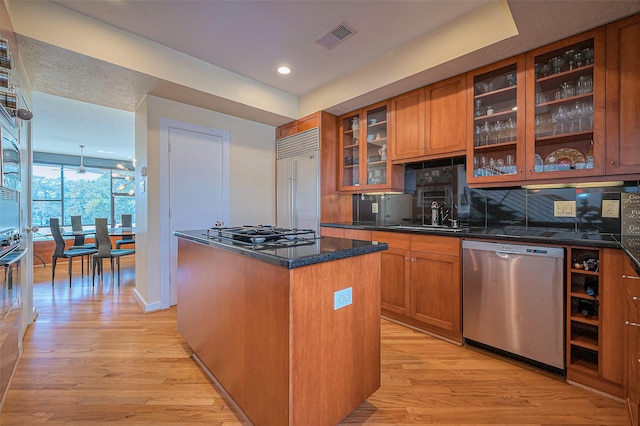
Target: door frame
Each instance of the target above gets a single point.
(164, 207)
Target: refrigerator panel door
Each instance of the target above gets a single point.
(298, 192)
(283, 194)
(306, 191)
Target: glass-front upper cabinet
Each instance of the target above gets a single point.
(495, 148)
(364, 141)
(376, 121)
(565, 108)
(350, 148)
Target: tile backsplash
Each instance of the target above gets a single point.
(498, 207)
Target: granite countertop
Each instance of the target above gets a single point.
(324, 249)
(630, 244)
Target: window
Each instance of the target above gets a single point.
(60, 191)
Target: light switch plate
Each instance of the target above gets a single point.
(611, 208)
(374, 207)
(564, 208)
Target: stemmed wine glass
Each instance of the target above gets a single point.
(558, 117)
(486, 130)
(578, 113)
(497, 130)
(577, 58)
(557, 64)
(479, 135)
(588, 55)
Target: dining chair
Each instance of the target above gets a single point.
(60, 252)
(106, 250)
(79, 243)
(126, 239)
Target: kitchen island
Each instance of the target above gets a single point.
(292, 334)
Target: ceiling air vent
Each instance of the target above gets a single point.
(337, 35)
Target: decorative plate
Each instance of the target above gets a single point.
(566, 155)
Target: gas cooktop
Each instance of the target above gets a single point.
(261, 237)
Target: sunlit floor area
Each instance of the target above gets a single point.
(93, 358)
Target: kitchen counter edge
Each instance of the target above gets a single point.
(330, 249)
(630, 244)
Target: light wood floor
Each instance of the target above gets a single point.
(92, 358)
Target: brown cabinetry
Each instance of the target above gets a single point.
(421, 282)
(446, 110)
(395, 276)
(630, 281)
(565, 108)
(364, 142)
(300, 125)
(623, 97)
(496, 132)
(427, 123)
(408, 115)
(594, 319)
(436, 290)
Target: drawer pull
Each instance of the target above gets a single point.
(634, 324)
(631, 277)
(635, 298)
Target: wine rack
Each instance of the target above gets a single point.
(583, 308)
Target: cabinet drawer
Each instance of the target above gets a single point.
(436, 244)
(356, 234)
(393, 239)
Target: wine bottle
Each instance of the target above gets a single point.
(588, 307)
(591, 286)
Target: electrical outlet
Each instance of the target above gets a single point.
(342, 298)
(564, 208)
(611, 208)
(374, 207)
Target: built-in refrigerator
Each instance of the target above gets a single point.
(298, 181)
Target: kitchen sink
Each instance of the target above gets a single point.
(429, 228)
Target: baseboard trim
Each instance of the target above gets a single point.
(143, 305)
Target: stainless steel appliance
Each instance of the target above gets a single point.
(513, 299)
(298, 181)
(263, 237)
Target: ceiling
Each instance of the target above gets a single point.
(85, 99)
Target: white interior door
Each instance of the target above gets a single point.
(197, 183)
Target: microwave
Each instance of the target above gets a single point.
(10, 161)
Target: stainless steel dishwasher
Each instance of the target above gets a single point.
(513, 299)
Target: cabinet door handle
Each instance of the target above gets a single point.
(633, 324)
(635, 298)
(631, 277)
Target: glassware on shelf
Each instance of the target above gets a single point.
(589, 157)
(568, 89)
(511, 130)
(559, 117)
(584, 85)
(557, 63)
(511, 79)
(497, 131)
(588, 55)
(577, 114)
(578, 59)
(478, 111)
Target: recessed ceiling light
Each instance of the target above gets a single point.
(284, 70)
(103, 151)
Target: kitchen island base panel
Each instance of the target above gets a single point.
(271, 337)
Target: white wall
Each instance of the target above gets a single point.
(252, 181)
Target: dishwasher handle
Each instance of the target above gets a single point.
(507, 254)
